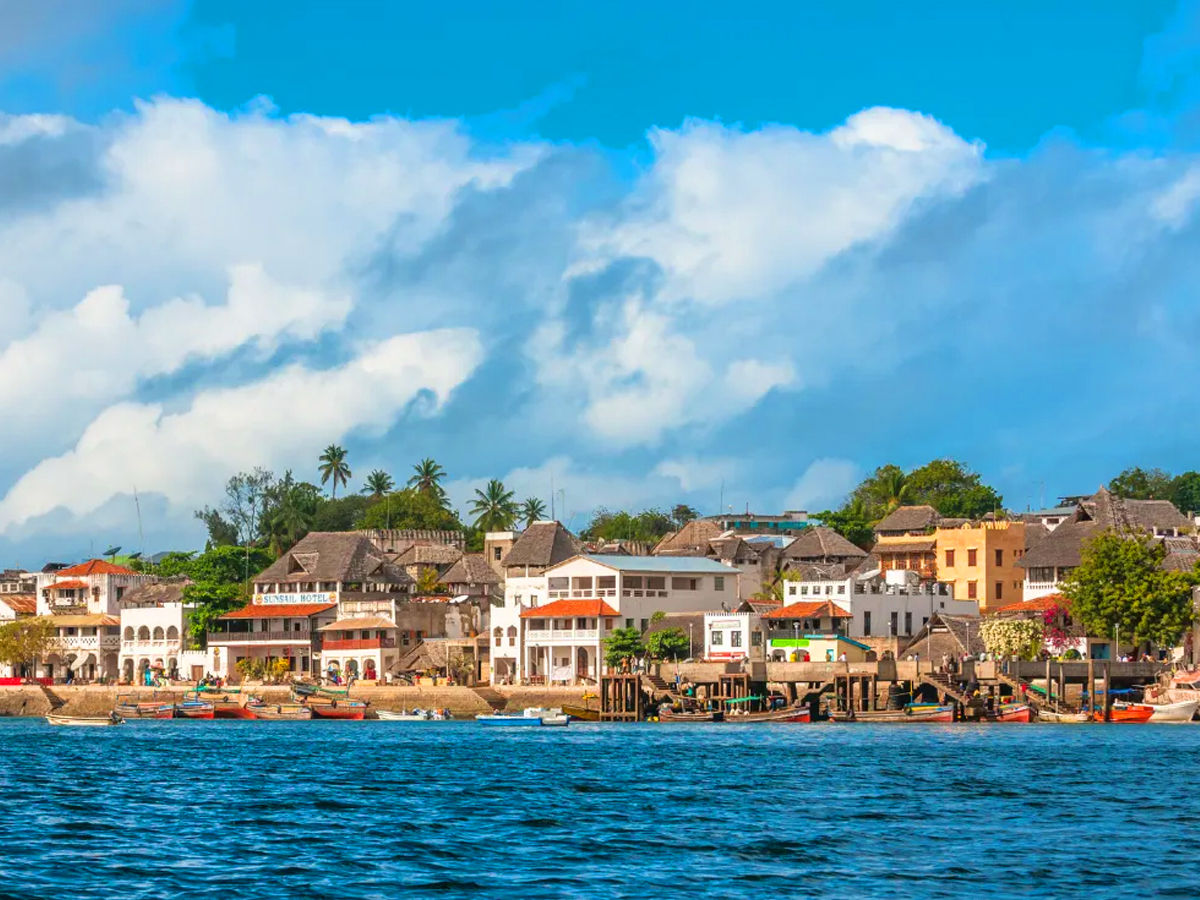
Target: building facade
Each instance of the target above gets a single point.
(982, 560)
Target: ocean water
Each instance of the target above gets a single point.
(376, 809)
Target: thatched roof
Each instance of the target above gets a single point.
(945, 635)
(471, 568)
(822, 544)
(1182, 554)
(902, 545)
(428, 554)
(696, 533)
(334, 556)
(542, 544)
(428, 654)
(155, 594)
(908, 519)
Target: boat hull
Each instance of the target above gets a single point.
(1177, 713)
(582, 713)
(792, 715)
(194, 711)
(1126, 715)
(691, 718)
(147, 711)
(1019, 713)
(935, 715)
(281, 713)
(353, 712)
(85, 721)
(503, 721)
(232, 711)
(1057, 718)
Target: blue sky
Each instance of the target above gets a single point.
(643, 251)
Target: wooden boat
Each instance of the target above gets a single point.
(533, 717)
(194, 709)
(128, 707)
(280, 711)
(213, 689)
(417, 715)
(908, 715)
(1014, 712)
(85, 721)
(303, 689)
(225, 706)
(1063, 718)
(666, 714)
(1176, 713)
(338, 709)
(1126, 714)
(795, 714)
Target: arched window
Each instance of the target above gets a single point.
(172, 633)
(143, 633)
(158, 633)
(512, 635)
(129, 632)
(498, 633)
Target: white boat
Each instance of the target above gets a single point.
(533, 717)
(1061, 718)
(1183, 711)
(417, 715)
(85, 721)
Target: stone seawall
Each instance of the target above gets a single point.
(98, 700)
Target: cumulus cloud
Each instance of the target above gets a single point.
(280, 421)
(824, 484)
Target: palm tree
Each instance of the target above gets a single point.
(333, 466)
(378, 483)
(493, 507)
(531, 510)
(427, 474)
(893, 490)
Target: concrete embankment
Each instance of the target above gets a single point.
(98, 700)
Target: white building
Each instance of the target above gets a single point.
(83, 602)
(737, 635)
(561, 637)
(881, 604)
(155, 634)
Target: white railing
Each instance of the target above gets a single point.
(635, 593)
(573, 635)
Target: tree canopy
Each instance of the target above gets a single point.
(494, 508)
(219, 577)
(24, 641)
(1121, 582)
(410, 508)
(1008, 637)
(649, 525)
(621, 643)
(669, 643)
(1137, 483)
(333, 467)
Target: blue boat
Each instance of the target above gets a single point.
(530, 718)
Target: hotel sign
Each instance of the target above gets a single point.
(287, 599)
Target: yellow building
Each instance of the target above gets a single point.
(980, 560)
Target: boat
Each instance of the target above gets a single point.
(1013, 712)
(213, 689)
(550, 716)
(280, 711)
(1063, 718)
(1126, 714)
(303, 689)
(417, 715)
(225, 706)
(1183, 686)
(583, 713)
(795, 714)
(129, 707)
(338, 709)
(908, 715)
(666, 714)
(1183, 711)
(194, 709)
(85, 721)
(533, 717)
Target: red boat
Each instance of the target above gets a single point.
(338, 709)
(194, 709)
(1014, 712)
(227, 706)
(1126, 714)
(795, 714)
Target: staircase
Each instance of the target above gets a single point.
(1033, 698)
(56, 702)
(491, 697)
(944, 686)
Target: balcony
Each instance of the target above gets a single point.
(88, 642)
(562, 635)
(225, 638)
(584, 594)
(386, 643)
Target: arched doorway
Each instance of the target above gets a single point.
(582, 666)
(369, 672)
(352, 668)
(127, 670)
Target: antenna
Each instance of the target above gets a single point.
(553, 515)
(721, 505)
(138, 506)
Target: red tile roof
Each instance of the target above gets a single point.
(1040, 604)
(564, 609)
(21, 604)
(809, 609)
(278, 610)
(96, 567)
(69, 585)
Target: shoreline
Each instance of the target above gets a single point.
(30, 701)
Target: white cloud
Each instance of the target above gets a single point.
(824, 484)
(97, 351)
(280, 421)
(696, 474)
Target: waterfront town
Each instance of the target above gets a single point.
(777, 616)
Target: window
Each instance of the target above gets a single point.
(972, 590)
(867, 622)
(804, 589)
(999, 590)
(683, 584)
(606, 582)
(498, 634)
(645, 624)
(841, 589)
(633, 581)
(629, 623)
(496, 553)
(656, 583)
(533, 600)
(756, 639)
(608, 624)
(999, 557)
(971, 554)
(895, 623)
(558, 584)
(719, 583)
(120, 592)
(949, 559)
(735, 639)
(908, 623)
(791, 590)
(582, 584)
(717, 638)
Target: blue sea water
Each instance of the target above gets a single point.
(377, 809)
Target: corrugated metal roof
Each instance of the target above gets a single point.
(675, 564)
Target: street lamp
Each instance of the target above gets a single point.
(690, 653)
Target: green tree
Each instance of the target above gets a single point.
(1185, 492)
(493, 507)
(378, 483)
(1121, 582)
(1137, 483)
(880, 492)
(649, 526)
(410, 508)
(670, 643)
(221, 532)
(531, 510)
(681, 514)
(219, 577)
(333, 467)
(24, 641)
(952, 489)
(621, 643)
(427, 477)
(289, 509)
(428, 582)
(851, 522)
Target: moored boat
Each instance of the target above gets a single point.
(225, 706)
(280, 711)
(793, 714)
(508, 720)
(417, 715)
(1014, 712)
(699, 717)
(85, 721)
(1176, 713)
(583, 713)
(909, 715)
(194, 709)
(1063, 718)
(1126, 714)
(129, 707)
(338, 709)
